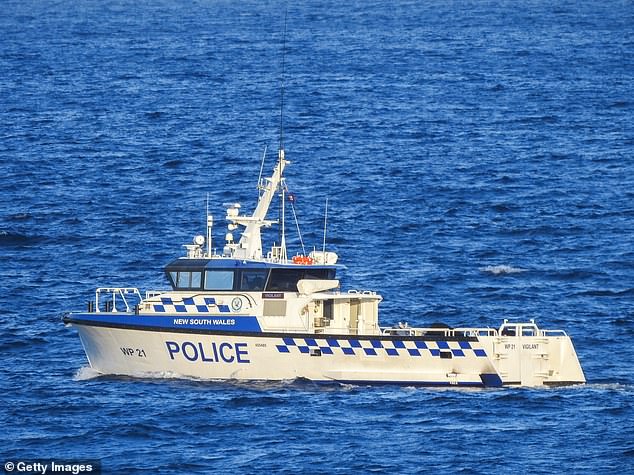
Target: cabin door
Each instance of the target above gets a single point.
(508, 355)
(354, 314)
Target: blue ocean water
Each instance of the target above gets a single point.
(478, 161)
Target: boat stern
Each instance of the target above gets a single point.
(525, 355)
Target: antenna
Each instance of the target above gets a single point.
(281, 148)
(262, 168)
(210, 221)
(291, 200)
(283, 238)
(325, 223)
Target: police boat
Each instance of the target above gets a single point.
(247, 314)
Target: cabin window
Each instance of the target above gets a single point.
(186, 279)
(529, 331)
(328, 307)
(322, 274)
(284, 280)
(183, 280)
(253, 279)
(219, 280)
(174, 278)
(509, 331)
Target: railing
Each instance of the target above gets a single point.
(553, 333)
(116, 293)
(468, 332)
(361, 292)
(477, 331)
(411, 331)
(154, 293)
(439, 331)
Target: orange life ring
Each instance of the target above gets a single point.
(304, 260)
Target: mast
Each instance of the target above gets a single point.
(250, 244)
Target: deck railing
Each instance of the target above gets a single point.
(438, 331)
(115, 294)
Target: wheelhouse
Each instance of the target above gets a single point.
(238, 275)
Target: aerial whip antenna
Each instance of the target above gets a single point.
(325, 226)
(210, 222)
(282, 89)
(260, 186)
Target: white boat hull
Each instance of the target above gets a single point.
(238, 349)
(274, 357)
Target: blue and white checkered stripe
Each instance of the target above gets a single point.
(330, 346)
(188, 305)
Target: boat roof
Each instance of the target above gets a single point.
(218, 262)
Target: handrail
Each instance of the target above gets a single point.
(153, 293)
(418, 331)
(449, 332)
(114, 291)
(473, 331)
(553, 333)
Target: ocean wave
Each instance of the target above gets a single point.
(12, 238)
(86, 373)
(606, 386)
(502, 269)
(20, 217)
(607, 293)
(173, 163)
